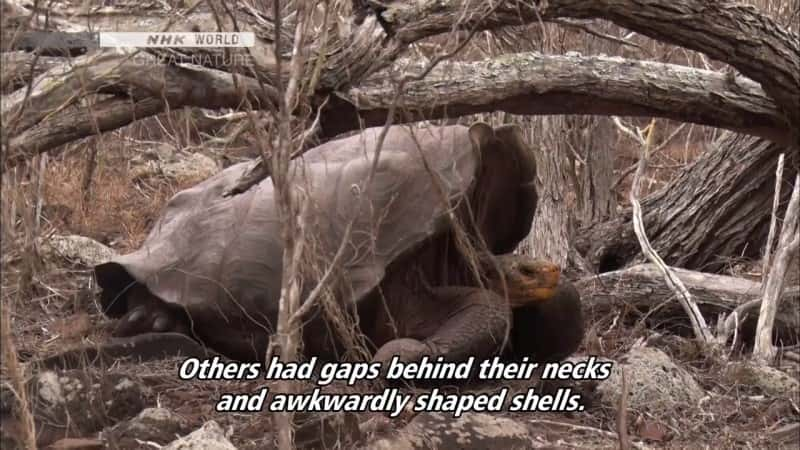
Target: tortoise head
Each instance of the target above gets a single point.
(547, 318)
(527, 281)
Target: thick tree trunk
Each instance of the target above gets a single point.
(640, 292)
(550, 231)
(715, 210)
(595, 136)
(595, 139)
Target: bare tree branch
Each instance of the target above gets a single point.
(737, 34)
(699, 325)
(717, 29)
(788, 244)
(531, 83)
(640, 291)
(776, 200)
(521, 84)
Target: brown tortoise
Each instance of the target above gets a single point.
(211, 266)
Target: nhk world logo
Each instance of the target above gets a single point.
(166, 39)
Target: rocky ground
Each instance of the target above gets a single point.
(677, 396)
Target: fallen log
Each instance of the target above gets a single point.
(639, 292)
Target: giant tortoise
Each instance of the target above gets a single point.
(428, 267)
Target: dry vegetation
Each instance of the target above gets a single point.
(50, 302)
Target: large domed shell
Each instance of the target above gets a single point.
(219, 258)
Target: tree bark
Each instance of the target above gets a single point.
(715, 210)
(520, 84)
(550, 231)
(641, 292)
(530, 83)
(18, 68)
(788, 244)
(730, 32)
(598, 201)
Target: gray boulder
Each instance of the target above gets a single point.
(767, 380)
(166, 162)
(158, 425)
(208, 437)
(79, 250)
(429, 431)
(655, 383)
(76, 403)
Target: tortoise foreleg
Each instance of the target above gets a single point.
(473, 322)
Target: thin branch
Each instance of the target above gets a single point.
(584, 26)
(630, 169)
(731, 323)
(788, 244)
(622, 415)
(699, 326)
(767, 261)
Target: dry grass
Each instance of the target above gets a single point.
(49, 305)
(119, 212)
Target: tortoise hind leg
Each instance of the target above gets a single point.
(458, 323)
(146, 313)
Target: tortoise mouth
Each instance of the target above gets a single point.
(536, 295)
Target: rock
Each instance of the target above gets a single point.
(157, 425)
(209, 437)
(164, 161)
(470, 431)
(195, 166)
(655, 383)
(574, 359)
(77, 249)
(768, 380)
(161, 151)
(77, 403)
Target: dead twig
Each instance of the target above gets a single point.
(696, 318)
(731, 323)
(585, 428)
(772, 223)
(630, 169)
(788, 245)
(622, 416)
(287, 337)
(17, 379)
(584, 26)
